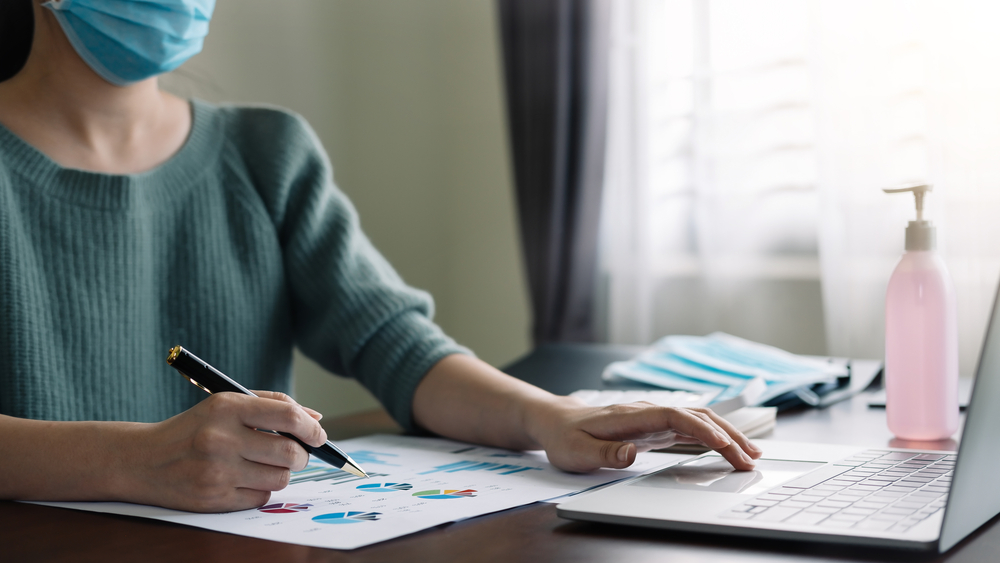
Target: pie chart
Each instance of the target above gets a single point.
(385, 487)
(446, 493)
(346, 517)
(284, 508)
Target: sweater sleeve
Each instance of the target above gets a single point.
(352, 312)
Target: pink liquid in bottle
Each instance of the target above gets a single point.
(921, 349)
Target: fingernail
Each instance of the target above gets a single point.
(747, 458)
(722, 437)
(313, 412)
(623, 452)
(753, 447)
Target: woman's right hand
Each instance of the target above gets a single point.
(210, 458)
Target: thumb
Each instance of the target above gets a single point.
(589, 453)
(316, 415)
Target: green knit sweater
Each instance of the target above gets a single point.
(238, 248)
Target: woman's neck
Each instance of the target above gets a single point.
(57, 104)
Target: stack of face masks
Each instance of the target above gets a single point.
(728, 365)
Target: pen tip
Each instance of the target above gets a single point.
(355, 469)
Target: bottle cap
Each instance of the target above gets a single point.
(920, 234)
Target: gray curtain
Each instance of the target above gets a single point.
(555, 64)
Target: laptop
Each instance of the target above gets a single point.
(897, 498)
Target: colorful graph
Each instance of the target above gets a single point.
(366, 457)
(352, 517)
(284, 508)
(441, 494)
(385, 487)
(501, 468)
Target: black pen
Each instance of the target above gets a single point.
(198, 371)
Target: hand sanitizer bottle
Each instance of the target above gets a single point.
(921, 337)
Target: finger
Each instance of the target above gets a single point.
(585, 453)
(233, 500)
(699, 425)
(250, 498)
(271, 449)
(657, 441)
(744, 443)
(262, 477)
(281, 416)
(316, 415)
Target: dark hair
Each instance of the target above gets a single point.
(17, 27)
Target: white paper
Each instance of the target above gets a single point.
(415, 484)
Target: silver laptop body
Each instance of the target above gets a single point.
(886, 497)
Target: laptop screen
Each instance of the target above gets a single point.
(974, 497)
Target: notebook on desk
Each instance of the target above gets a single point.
(925, 500)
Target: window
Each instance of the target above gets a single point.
(748, 142)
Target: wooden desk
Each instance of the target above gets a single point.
(531, 533)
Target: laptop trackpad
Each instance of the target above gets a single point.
(713, 473)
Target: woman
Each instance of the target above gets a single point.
(132, 220)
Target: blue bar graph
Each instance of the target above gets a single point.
(501, 468)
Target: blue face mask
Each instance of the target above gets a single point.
(126, 41)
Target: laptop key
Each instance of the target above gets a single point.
(859, 510)
(817, 476)
(865, 488)
(848, 517)
(828, 488)
(807, 518)
(908, 505)
(776, 514)
(918, 481)
(796, 504)
(865, 505)
(875, 525)
(888, 517)
(823, 510)
(896, 456)
(737, 515)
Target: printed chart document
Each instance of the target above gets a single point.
(416, 483)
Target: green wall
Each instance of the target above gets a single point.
(407, 98)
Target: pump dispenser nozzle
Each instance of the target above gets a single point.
(920, 234)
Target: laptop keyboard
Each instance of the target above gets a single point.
(875, 490)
